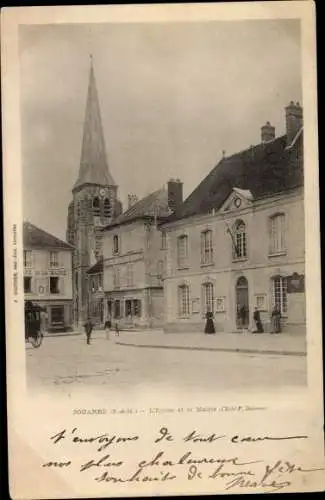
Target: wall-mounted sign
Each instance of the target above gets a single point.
(57, 272)
(220, 304)
(296, 283)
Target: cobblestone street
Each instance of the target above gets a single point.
(67, 361)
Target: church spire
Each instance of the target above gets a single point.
(93, 163)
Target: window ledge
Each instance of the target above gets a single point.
(208, 264)
(240, 259)
(184, 317)
(182, 268)
(277, 254)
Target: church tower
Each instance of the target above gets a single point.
(94, 202)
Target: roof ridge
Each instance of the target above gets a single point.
(27, 225)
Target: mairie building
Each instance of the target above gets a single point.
(237, 242)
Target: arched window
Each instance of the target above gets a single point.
(240, 240)
(182, 250)
(96, 206)
(107, 208)
(184, 300)
(208, 297)
(277, 233)
(116, 246)
(279, 293)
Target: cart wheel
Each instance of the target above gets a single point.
(36, 341)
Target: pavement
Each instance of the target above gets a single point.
(279, 344)
(137, 363)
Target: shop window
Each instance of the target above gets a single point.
(57, 315)
(133, 308)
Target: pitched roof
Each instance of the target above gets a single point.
(264, 170)
(96, 268)
(35, 237)
(153, 205)
(93, 163)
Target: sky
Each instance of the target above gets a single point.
(173, 97)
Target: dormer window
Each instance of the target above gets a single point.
(96, 206)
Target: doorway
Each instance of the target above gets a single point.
(242, 303)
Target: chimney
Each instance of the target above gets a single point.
(132, 199)
(267, 132)
(175, 194)
(294, 121)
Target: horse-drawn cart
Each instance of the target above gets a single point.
(33, 330)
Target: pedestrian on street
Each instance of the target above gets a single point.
(88, 330)
(117, 329)
(276, 320)
(258, 322)
(108, 326)
(209, 325)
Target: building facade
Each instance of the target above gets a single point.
(95, 277)
(237, 242)
(134, 260)
(48, 276)
(94, 204)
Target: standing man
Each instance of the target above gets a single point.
(258, 322)
(88, 330)
(108, 326)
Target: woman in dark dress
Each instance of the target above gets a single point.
(209, 325)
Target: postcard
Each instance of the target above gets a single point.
(162, 250)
